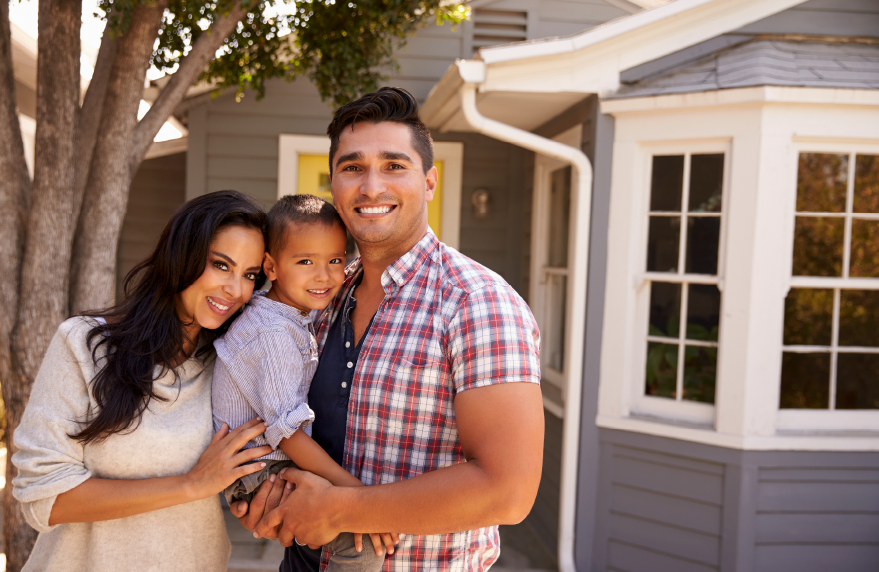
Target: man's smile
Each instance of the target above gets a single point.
(376, 210)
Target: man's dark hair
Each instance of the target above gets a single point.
(297, 209)
(387, 104)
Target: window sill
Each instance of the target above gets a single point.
(786, 440)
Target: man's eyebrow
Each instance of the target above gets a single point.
(355, 156)
(395, 156)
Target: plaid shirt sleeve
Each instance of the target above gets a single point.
(493, 338)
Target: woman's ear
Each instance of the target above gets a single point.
(270, 267)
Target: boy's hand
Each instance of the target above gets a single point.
(269, 495)
(380, 542)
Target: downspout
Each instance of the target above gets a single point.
(581, 206)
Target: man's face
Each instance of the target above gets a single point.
(379, 186)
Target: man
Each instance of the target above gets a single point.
(428, 360)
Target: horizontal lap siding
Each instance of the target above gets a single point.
(157, 191)
(544, 516)
(664, 512)
(817, 519)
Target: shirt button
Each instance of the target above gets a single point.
(347, 344)
(303, 312)
(350, 364)
(344, 384)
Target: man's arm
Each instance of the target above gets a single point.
(501, 433)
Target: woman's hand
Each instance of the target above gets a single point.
(223, 462)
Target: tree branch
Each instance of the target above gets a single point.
(90, 117)
(93, 266)
(191, 67)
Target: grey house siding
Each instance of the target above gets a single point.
(668, 505)
(851, 18)
(157, 191)
(543, 519)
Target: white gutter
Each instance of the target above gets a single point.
(473, 73)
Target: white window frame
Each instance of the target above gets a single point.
(828, 419)
(554, 384)
(641, 403)
(291, 146)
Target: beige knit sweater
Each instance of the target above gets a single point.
(169, 441)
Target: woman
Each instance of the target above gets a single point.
(118, 469)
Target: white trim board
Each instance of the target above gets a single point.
(450, 153)
(816, 440)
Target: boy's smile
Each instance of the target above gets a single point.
(310, 268)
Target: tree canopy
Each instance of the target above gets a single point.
(342, 47)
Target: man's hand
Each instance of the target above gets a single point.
(269, 495)
(303, 513)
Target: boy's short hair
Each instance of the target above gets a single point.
(393, 104)
(297, 209)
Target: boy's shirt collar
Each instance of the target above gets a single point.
(260, 300)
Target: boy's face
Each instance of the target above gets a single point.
(310, 269)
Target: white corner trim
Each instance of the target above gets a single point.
(452, 156)
(742, 95)
(811, 441)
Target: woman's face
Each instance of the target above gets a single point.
(234, 260)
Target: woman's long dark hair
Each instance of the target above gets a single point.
(144, 330)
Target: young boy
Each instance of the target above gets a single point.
(267, 358)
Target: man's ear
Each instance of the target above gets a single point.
(270, 267)
(431, 180)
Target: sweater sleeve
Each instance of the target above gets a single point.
(49, 462)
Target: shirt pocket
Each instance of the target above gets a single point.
(309, 352)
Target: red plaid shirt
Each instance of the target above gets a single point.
(446, 324)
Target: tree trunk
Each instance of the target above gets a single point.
(14, 196)
(106, 196)
(45, 266)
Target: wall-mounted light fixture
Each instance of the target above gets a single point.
(480, 200)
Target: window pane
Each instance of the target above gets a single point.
(857, 381)
(556, 302)
(805, 381)
(864, 261)
(662, 244)
(665, 309)
(859, 318)
(559, 214)
(703, 312)
(667, 183)
(866, 199)
(808, 317)
(662, 369)
(706, 183)
(700, 373)
(818, 246)
(703, 240)
(821, 182)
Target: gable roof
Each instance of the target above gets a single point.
(555, 73)
(776, 60)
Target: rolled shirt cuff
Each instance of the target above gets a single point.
(299, 417)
